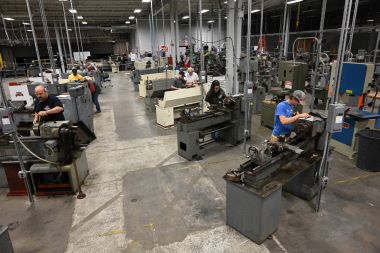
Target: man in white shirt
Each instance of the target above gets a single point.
(191, 77)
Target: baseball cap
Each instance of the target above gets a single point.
(300, 96)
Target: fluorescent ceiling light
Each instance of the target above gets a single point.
(185, 17)
(210, 21)
(370, 20)
(28, 30)
(255, 10)
(113, 41)
(225, 2)
(137, 11)
(25, 23)
(131, 17)
(10, 19)
(80, 17)
(69, 30)
(73, 11)
(127, 22)
(204, 11)
(84, 22)
(225, 17)
(146, 1)
(294, 1)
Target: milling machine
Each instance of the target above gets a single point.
(223, 123)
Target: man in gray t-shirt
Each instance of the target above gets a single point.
(179, 81)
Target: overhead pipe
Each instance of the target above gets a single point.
(76, 34)
(63, 41)
(247, 80)
(35, 39)
(319, 50)
(352, 28)
(67, 35)
(59, 47)
(46, 33)
(190, 34)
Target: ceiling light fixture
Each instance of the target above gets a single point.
(294, 1)
(370, 20)
(255, 10)
(10, 19)
(127, 22)
(131, 17)
(25, 23)
(73, 11)
(28, 30)
(84, 22)
(80, 17)
(185, 17)
(204, 11)
(69, 30)
(210, 21)
(137, 11)
(146, 1)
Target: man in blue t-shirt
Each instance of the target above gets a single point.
(284, 116)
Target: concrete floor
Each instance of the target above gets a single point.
(142, 197)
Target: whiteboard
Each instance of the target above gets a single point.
(84, 55)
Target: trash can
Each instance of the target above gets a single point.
(368, 157)
(5, 241)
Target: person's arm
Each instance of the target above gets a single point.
(285, 121)
(35, 120)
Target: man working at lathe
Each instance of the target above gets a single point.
(285, 117)
(47, 107)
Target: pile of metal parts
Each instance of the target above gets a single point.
(223, 123)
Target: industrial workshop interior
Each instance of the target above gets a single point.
(199, 126)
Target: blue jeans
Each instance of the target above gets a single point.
(95, 100)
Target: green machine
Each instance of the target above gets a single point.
(293, 74)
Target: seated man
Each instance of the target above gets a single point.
(74, 77)
(179, 81)
(284, 116)
(216, 95)
(191, 78)
(47, 107)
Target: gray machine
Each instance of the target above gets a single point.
(254, 189)
(78, 105)
(49, 156)
(136, 75)
(225, 123)
(293, 74)
(155, 90)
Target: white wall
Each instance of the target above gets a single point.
(145, 41)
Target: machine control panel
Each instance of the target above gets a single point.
(335, 118)
(7, 123)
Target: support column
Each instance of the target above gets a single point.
(35, 39)
(230, 47)
(287, 27)
(59, 48)
(67, 35)
(173, 50)
(239, 20)
(220, 27)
